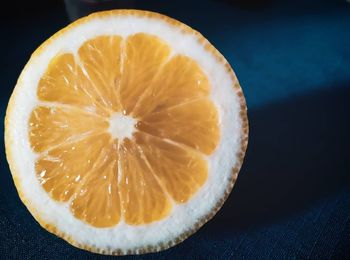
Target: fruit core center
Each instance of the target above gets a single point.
(121, 126)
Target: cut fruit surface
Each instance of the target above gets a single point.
(125, 132)
(137, 87)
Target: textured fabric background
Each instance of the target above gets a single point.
(292, 197)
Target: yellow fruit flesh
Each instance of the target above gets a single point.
(135, 179)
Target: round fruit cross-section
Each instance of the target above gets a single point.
(125, 132)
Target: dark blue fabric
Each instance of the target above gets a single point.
(292, 197)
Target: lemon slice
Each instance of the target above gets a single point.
(125, 132)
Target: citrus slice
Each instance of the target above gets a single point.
(125, 132)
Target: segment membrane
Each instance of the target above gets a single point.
(144, 55)
(181, 171)
(181, 80)
(194, 124)
(64, 82)
(143, 199)
(101, 59)
(53, 125)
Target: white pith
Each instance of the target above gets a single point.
(121, 126)
(183, 216)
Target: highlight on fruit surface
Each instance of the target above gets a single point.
(125, 132)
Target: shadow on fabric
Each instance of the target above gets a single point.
(296, 156)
